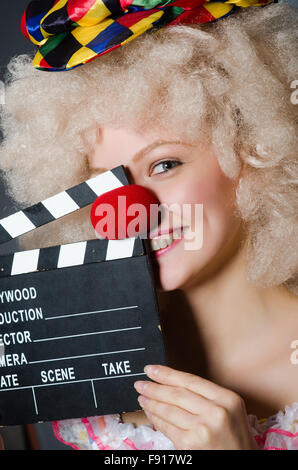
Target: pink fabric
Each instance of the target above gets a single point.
(93, 437)
(279, 432)
(56, 429)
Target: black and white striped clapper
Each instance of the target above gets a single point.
(78, 322)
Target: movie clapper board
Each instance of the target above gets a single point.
(78, 322)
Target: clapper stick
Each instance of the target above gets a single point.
(78, 322)
(60, 204)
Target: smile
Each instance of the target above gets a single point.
(163, 245)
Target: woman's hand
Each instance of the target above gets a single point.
(193, 412)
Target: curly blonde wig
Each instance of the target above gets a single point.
(228, 82)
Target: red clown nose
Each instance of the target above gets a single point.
(124, 212)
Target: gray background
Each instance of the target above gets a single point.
(12, 43)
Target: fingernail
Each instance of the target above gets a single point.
(142, 400)
(151, 370)
(140, 385)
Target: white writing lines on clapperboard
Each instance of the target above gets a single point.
(88, 355)
(90, 313)
(87, 334)
(71, 381)
(67, 375)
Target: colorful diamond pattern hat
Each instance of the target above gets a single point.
(69, 33)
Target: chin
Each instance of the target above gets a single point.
(186, 271)
(167, 279)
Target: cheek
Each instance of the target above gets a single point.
(217, 196)
(210, 187)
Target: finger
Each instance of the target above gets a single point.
(182, 439)
(171, 431)
(178, 396)
(168, 376)
(169, 413)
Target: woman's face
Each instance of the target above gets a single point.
(194, 192)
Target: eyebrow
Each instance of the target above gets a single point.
(139, 155)
(144, 151)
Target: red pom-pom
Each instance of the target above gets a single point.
(124, 212)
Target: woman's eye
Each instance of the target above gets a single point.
(164, 166)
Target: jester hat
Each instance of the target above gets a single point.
(70, 33)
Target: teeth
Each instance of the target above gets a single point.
(165, 242)
(158, 243)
